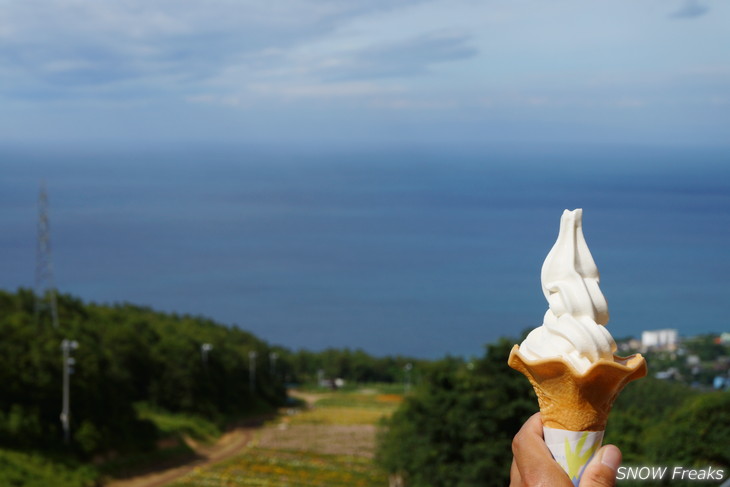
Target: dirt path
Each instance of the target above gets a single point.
(309, 398)
(229, 445)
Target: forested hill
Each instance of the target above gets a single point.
(126, 354)
(129, 355)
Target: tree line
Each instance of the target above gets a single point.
(352, 365)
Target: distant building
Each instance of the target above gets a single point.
(725, 338)
(659, 340)
(693, 360)
(670, 373)
(628, 346)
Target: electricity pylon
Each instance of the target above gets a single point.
(45, 287)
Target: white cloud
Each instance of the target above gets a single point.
(404, 57)
(398, 103)
(689, 10)
(630, 102)
(214, 66)
(63, 44)
(233, 101)
(322, 90)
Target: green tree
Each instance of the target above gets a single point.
(640, 407)
(456, 429)
(696, 434)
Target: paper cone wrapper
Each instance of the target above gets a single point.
(572, 449)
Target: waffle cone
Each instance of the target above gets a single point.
(572, 401)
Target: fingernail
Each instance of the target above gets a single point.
(611, 457)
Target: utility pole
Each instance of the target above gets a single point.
(252, 370)
(407, 377)
(272, 357)
(205, 348)
(45, 286)
(67, 346)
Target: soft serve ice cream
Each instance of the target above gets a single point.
(573, 327)
(570, 360)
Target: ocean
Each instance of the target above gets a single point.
(420, 251)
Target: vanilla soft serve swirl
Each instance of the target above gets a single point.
(573, 325)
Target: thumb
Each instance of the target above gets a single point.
(601, 471)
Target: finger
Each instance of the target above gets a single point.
(601, 471)
(515, 480)
(533, 458)
(530, 434)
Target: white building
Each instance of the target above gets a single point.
(659, 339)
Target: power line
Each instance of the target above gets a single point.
(45, 286)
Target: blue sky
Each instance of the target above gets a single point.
(653, 72)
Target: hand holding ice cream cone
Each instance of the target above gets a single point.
(570, 359)
(534, 465)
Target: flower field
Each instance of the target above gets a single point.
(360, 400)
(338, 416)
(328, 445)
(278, 468)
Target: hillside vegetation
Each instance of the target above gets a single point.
(126, 355)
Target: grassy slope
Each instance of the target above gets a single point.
(35, 470)
(38, 469)
(304, 466)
